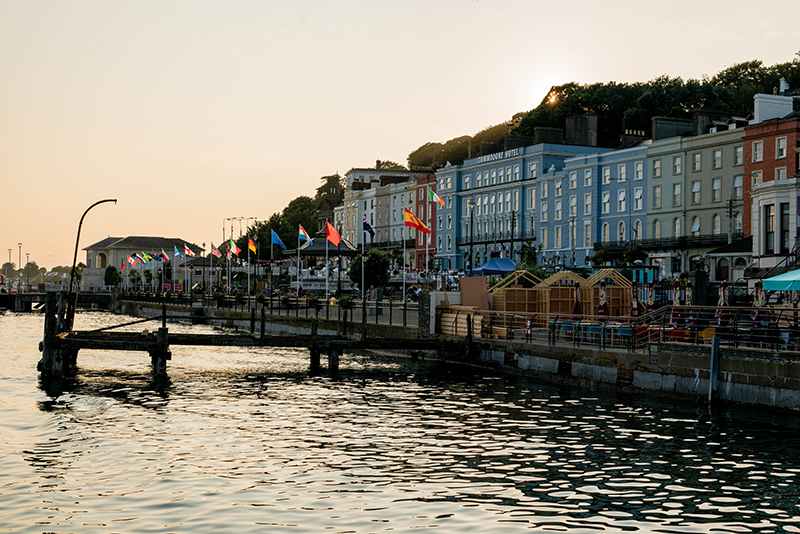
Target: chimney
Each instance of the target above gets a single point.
(784, 86)
(771, 107)
(377, 164)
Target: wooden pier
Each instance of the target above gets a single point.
(61, 344)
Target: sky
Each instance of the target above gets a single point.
(192, 112)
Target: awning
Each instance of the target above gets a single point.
(496, 266)
(783, 282)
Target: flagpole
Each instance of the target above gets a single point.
(248, 265)
(403, 266)
(363, 259)
(298, 262)
(326, 260)
(426, 237)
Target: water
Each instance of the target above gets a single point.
(243, 440)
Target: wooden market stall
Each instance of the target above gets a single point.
(618, 293)
(510, 293)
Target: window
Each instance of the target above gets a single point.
(780, 147)
(637, 230)
(737, 222)
(657, 168)
(606, 202)
(449, 221)
(449, 182)
(573, 205)
(544, 189)
(478, 207)
(533, 169)
(756, 178)
(607, 175)
(657, 196)
(500, 175)
(439, 239)
(544, 237)
(676, 194)
(508, 200)
(587, 204)
(605, 232)
(491, 204)
(696, 192)
(544, 211)
(558, 188)
(676, 165)
(638, 170)
(780, 173)
(738, 155)
(478, 179)
(621, 170)
(621, 231)
(715, 224)
(716, 158)
(769, 229)
(466, 182)
(758, 151)
(587, 178)
(716, 189)
(573, 180)
(516, 172)
(695, 226)
(696, 161)
(587, 234)
(676, 226)
(621, 200)
(516, 200)
(421, 193)
(637, 198)
(439, 224)
(532, 200)
(558, 237)
(558, 210)
(449, 242)
(494, 177)
(656, 229)
(737, 187)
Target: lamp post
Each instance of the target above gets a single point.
(28, 269)
(71, 303)
(8, 269)
(19, 275)
(471, 204)
(572, 235)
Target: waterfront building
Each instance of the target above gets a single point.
(114, 251)
(427, 211)
(772, 190)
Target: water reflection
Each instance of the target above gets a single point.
(244, 439)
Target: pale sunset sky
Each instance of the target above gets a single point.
(189, 112)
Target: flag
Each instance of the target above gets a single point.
(433, 197)
(367, 227)
(411, 220)
(230, 254)
(303, 234)
(137, 258)
(156, 256)
(233, 248)
(215, 252)
(277, 240)
(123, 263)
(131, 260)
(187, 250)
(164, 255)
(147, 257)
(177, 252)
(251, 245)
(331, 234)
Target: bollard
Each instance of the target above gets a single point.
(714, 369)
(333, 360)
(263, 323)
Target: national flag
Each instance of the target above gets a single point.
(164, 255)
(177, 252)
(230, 254)
(277, 240)
(215, 252)
(187, 250)
(137, 258)
(147, 257)
(331, 234)
(123, 264)
(251, 245)
(411, 220)
(303, 234)
(156, 256)
(367, 227)
(132, 261)
(233, 248)
(433, 197)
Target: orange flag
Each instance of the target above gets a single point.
(331, 233)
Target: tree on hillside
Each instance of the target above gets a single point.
(388, 164)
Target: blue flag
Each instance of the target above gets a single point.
(367, 227)
(178, 253)
(277, 240)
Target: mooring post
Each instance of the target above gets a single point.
(164, 314)
(252, 319)
(51, 366)
(363, 320)
(160, 353)
(344, 323)
(714, 369)
(333, 360)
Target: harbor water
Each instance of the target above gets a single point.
(245, 440)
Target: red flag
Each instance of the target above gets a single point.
(412, 221)
(331, 233)
(123, 265)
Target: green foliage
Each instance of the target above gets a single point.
(636, 252)
(148, 276)
(77, 273)
(376, 269)
(301, 210)
(600, 257)
(388, 164)
(112, 277)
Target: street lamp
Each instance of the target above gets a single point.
(471, 204)
(8, 269)
(28, 269)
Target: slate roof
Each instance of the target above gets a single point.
(737, 248)
(145, 244)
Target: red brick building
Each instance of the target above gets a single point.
(426, 212)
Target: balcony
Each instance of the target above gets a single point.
(495, 237)
(670, 243)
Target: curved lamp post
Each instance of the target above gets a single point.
(75, 257)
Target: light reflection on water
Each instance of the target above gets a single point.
(245, 440)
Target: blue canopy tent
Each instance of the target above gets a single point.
(496, 266)
(783, 282)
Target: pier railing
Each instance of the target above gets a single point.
(776, 329)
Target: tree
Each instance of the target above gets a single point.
(600, 257)
(636, 252)
(77, 273)
(135, 278)
(388, 164)
(112, 277)
(376, 269)
(148, 276)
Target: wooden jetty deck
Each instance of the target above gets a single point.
(61, 345)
